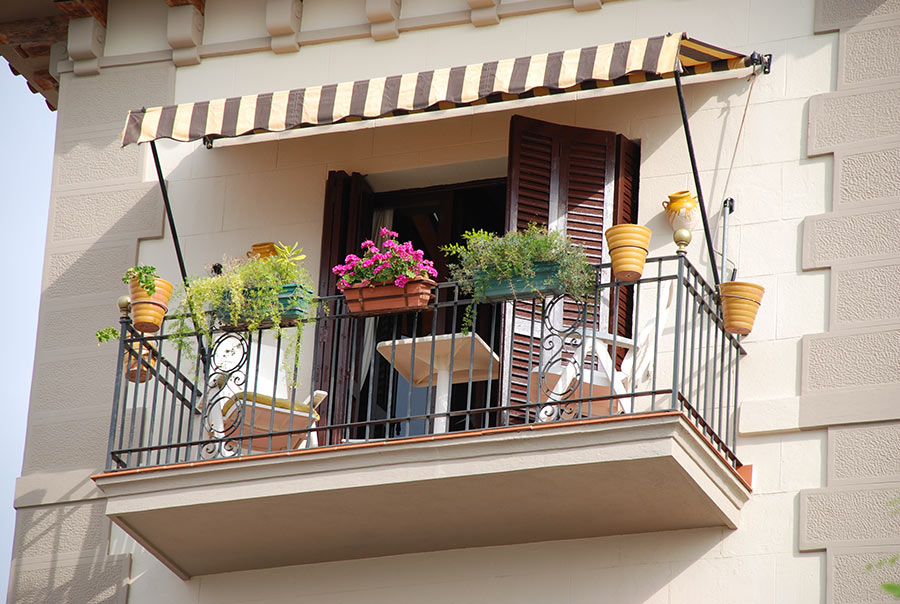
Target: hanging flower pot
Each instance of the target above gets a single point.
(543, 284)
(386, 298)
(740, 302)
(392, 278)
(149, 298)
(136, 370)
(682, 210)
(293, 302)
(530, 263)
(628, 247)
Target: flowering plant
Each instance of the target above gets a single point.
(394, 263)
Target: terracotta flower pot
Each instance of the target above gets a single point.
(628, 246)
(135, 370)
(740, 301)
(387, 298)
(682, 210)
(147, 312)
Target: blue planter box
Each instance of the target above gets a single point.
(544, 283)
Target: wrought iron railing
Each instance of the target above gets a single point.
(626, 348)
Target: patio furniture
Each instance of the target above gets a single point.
(441, 361)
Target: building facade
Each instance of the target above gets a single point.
(810, 153)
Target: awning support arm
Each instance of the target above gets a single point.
(165, 195)
(178, 254)
(690, 146)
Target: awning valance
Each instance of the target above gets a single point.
(550, 73)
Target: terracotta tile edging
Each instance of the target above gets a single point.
(738, 472)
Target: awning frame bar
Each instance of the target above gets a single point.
(690, 148)
(763, 60)
(171, 218)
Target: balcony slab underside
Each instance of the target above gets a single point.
(566, 481)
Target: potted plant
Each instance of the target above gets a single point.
(248, 293)
(136, 371)
(520, 264)
(628, 247)
(740, 302)
(149, 297)
(393, 278)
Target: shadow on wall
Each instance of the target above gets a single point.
(44, 572)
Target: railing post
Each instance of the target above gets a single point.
(124, 304)
(682, 239)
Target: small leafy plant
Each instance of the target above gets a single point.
(394, 262)
(106, 334)
(486, 256)
(144, 275)
(245, 292)
(249, 294)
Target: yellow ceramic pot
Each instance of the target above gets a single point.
(740, 302)
(628, 246)
(682, 210)
(147, 312)
(263, 250)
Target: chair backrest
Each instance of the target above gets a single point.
(637, 362)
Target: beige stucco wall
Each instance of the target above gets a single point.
(794, 202)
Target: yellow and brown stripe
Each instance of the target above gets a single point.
(550, 73)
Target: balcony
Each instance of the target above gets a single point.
(550, 419)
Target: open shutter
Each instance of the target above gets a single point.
(347, 217)
(628, 159)
(559, 176)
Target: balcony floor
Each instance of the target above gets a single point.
(609, 476)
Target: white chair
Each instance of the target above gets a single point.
(599, 378)
(257, 415)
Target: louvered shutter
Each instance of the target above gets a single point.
(626, 211)
(558, 176)
(347, 217)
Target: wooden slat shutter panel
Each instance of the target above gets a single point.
(346, 221)
(628, 159)
(557, 175)
(533, 177)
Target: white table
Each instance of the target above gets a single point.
(458, 348)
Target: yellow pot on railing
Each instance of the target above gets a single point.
(264, 249)
(682, 210)
(628, 247)
(147, 311)
(740, 302)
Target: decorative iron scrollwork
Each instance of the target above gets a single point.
(223, 414)
(561, 355)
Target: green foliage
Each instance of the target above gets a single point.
(892, 589)
(488, 256)
(245, 293)
(894, 505)
(106, 334)
(144, 275)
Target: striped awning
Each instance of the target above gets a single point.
(494, 81)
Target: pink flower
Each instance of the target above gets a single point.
(401, 280)
(367, 243)
(386, 232)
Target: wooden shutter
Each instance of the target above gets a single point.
(558, 176)
(628, 159)
(346, 221)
